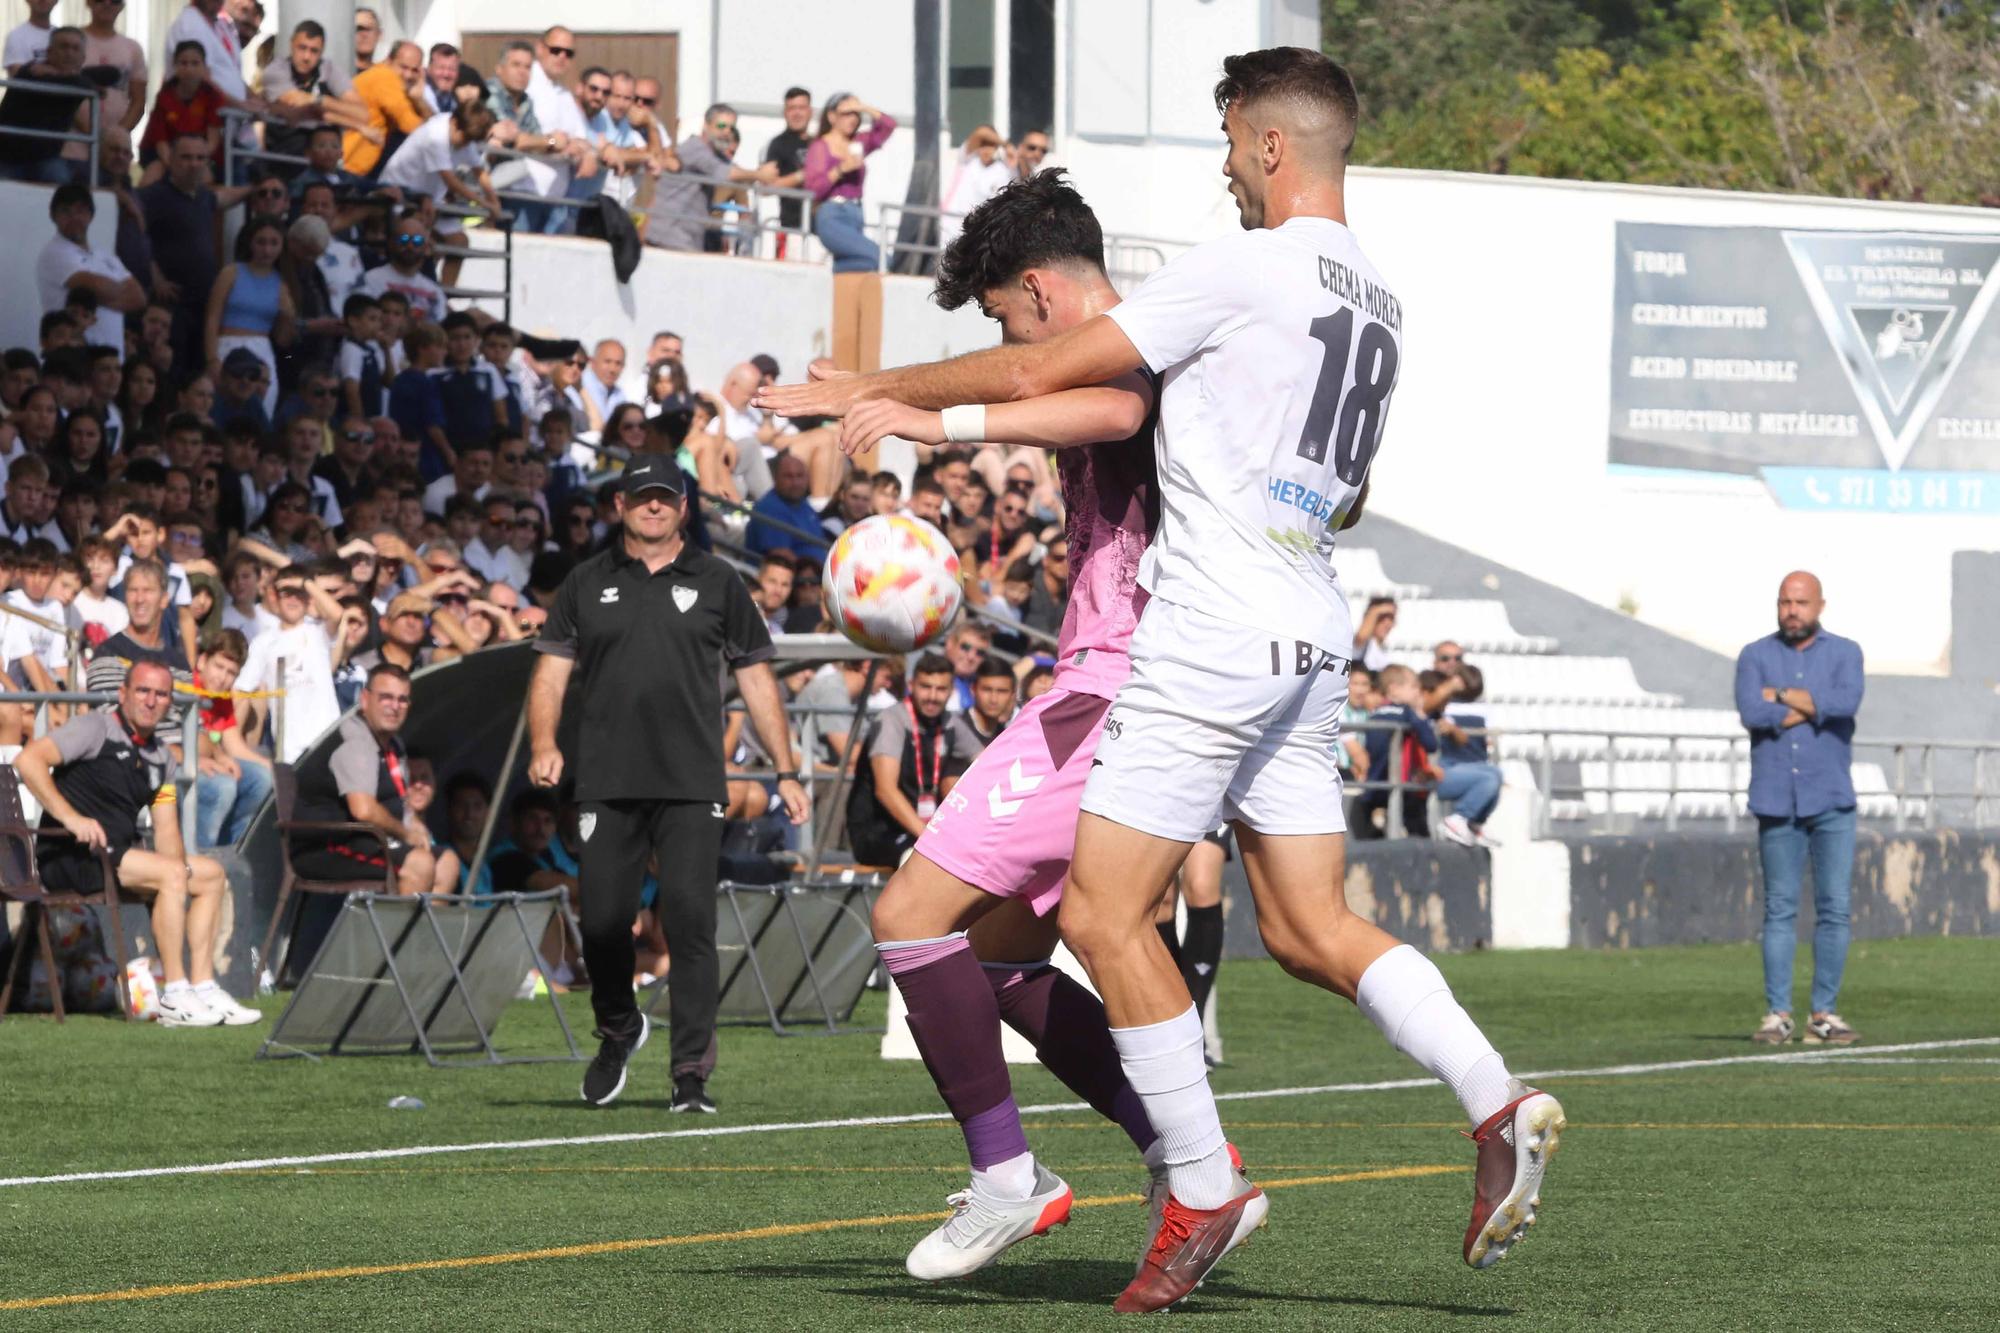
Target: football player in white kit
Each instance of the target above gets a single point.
(1278, 348)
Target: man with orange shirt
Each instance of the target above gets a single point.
(389, 91)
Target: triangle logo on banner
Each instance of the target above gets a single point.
(1900, 309)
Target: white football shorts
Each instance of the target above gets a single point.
(1221, 722)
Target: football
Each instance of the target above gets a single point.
(892, 583)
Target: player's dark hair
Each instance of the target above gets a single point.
(1305, 78)
(932, 664)
(992, 668)
(1040, 222)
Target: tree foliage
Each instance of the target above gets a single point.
(1877, 98)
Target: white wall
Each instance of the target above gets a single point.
(726, 309)
(1498, 434)
(24, 216)
(914, 329)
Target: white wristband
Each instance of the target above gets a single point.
(965, 424)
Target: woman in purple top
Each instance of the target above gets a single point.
(835, 168)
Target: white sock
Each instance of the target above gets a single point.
(1163, 1063)
(177, 988)
(1011, 1179)
(1404, 995)
(207, 987)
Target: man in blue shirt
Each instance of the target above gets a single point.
(786, 502)
(1797, 692)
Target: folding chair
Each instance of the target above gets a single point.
(285, 782)
(21, 882)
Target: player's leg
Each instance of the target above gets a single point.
(617, 839)
(1163, 921)
(1064, 1021)
(1201, 890)
(920, 924)
(1294, 854)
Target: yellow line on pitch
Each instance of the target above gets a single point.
(595, 1248)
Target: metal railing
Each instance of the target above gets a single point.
(89, 138)
(235, 152)
(1915, 793)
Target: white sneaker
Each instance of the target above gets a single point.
(219, 1001)
(184, 1009)
(982, 1227)
(1453, 828)
(1483, 838)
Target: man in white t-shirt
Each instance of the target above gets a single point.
(36, 651)
(1278, 348)
(67, 262)
(557, 110)
(409, 246)
(301, 640)
(28, 43)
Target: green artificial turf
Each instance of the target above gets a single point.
(1862, 1194)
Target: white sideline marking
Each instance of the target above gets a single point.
(868, 1121)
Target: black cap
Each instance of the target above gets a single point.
(655, 472)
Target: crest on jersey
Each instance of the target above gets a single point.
(685, 597)
(586, 824)
(1900, 311)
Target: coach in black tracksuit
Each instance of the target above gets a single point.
(647, 627)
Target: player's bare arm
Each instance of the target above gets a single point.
(1092, 353)
(1093, 415)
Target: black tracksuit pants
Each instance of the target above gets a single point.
(686, 836)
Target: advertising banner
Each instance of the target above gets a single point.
(1846, 370)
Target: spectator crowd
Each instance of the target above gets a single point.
(278, 468)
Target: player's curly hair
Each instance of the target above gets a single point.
(1038, 222)
(1293, 74)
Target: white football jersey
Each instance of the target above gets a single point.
(1278, 351)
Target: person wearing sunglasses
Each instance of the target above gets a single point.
(570, 153)
(93, 776)
(679, 219)
(409, 247)
(835, 172)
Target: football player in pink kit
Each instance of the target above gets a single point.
(993, 859)
(1278, 349)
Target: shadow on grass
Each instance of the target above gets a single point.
(1080, 1282)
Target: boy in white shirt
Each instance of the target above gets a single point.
(301, 641)
(103, 615)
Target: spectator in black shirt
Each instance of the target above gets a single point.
(37, 159)
(1048, 592)
(181, 210)
(93, 775)
(910, 766)
(364, 779)
(788, 150)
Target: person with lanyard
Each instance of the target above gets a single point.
(93, 775)
(643, 627)
(365, 778)
(912, 764)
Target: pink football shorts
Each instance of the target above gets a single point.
(1009, 826)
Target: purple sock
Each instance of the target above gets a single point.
(1073, 1038)
(956, 1023)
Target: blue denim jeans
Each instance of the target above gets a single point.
(1783, 844)
(1473, 790)
(841, 229)
(224, 805)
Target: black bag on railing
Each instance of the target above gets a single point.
(614, 224)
